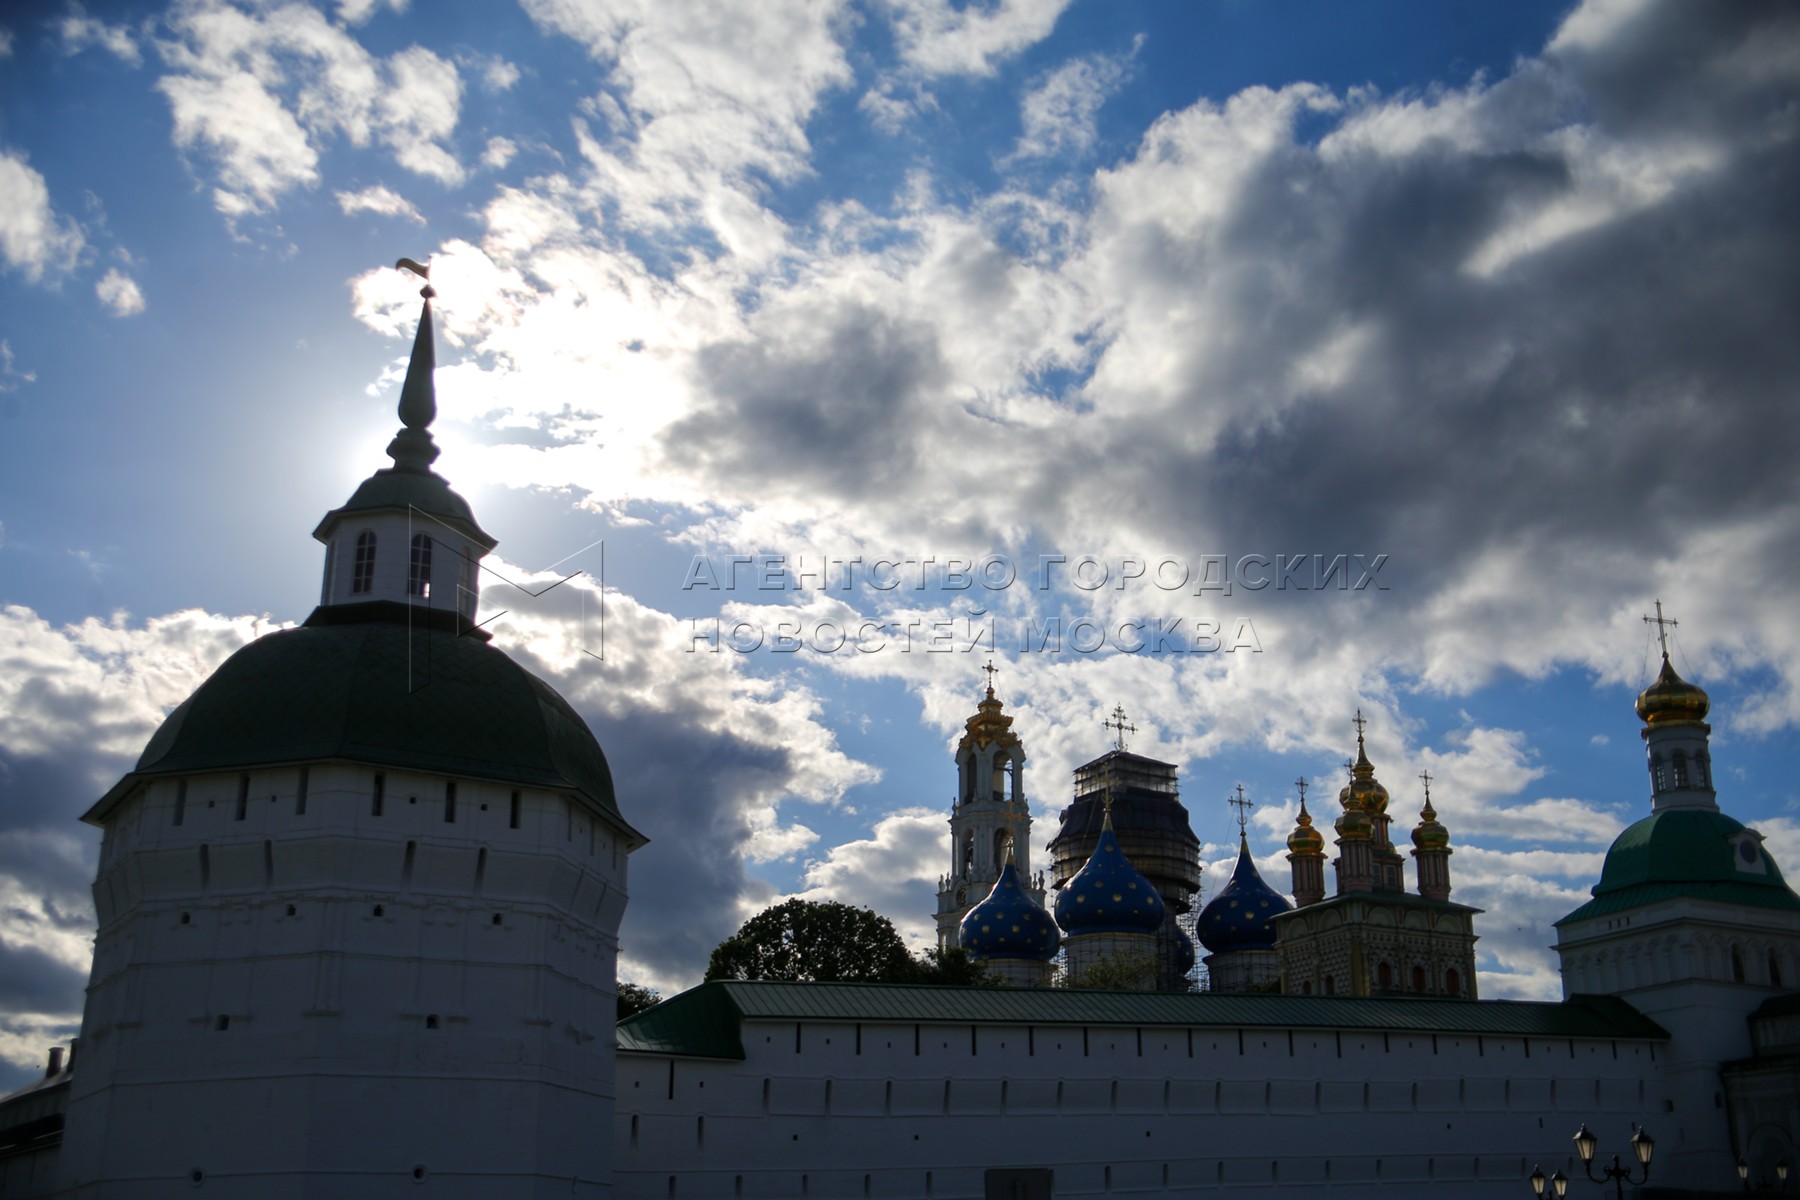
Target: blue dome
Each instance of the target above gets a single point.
(1242, 917)
(1108, 895)
(1184, 951)
(1008, 924)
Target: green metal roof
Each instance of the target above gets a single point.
(707, 1021)
(370, 683)
(1685, 853)
(396, 488)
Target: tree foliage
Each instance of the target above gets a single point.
(952, 966)
(634, 998)
(821, 941)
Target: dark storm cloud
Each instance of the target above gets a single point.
(685, 789)
(828, 398)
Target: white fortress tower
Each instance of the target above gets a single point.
(359, 900)
(1694, 924)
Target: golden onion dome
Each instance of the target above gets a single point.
(1428, 834)
(1355, 825)
(1672, 700)
(1305, 839)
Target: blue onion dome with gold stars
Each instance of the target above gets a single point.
(1672, 700)
(1242, 916)
(1185, 956)
(1108, 894)
(1009, 924)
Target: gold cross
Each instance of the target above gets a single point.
(1426, 776)
(991, 670)
(1301, 784)
(1118, 725)
(1663, 625)
(1242, 805)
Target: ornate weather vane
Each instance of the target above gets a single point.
(1118, 725)
(423, 271)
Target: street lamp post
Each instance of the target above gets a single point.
(1642, 1147)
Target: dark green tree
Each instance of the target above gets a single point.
(952, 966)
(821, 941)
(634, 998)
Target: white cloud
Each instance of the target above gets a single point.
(893, 871)
(940, 38)
(380, 200)
(499, 152)
(120, 293)
(355, 12)
(35, 239)
(1059, 113)
(79, 31)
(264, 91)
(10, 376)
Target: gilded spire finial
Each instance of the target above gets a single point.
(991, 670)
(412, 448)
(1118, 725)
(1429, 813)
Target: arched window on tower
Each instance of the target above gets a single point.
(997, 785)
(1384, 976)
(1737, 965)
(1014, 770)
(1659, 772)
(362, 572)
(968, 853)
(1774, 969)
(1702, 765)
(418, 574)
(1453, 982)
(1418, 979)
(1681, 771)
(967, 769)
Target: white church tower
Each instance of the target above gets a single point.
(359, 900)
(1693, 924)
(990, 819)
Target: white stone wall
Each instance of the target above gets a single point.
(830, 1109)
(283, 996)
(1674, 961)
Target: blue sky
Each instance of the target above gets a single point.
(1503, 293)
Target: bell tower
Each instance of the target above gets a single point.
(990, 818)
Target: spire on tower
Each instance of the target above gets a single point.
(412, 448)
(991, 670)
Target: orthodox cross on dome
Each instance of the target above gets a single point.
(1349, 766)
(1118, 725)
(1663, 625)
(991, 670)
(1243, 807)
(1426, 776)
(1301, 784)
(1358, 721)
